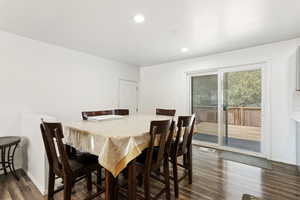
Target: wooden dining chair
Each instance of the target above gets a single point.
(87, 114)
(167, 112)
(182, 146)
(153, 158)
(70, 170)
(121, 111)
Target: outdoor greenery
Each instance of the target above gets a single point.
(241, 89)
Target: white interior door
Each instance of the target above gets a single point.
(128, 93)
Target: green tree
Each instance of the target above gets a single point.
(243, 88)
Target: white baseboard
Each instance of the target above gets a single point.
(39, 186)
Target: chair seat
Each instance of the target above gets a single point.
(141, 159)
(140, 167)
(83, 164)
(84, 157)
(173, 149)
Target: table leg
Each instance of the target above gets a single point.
(11, 162)
(3, 160)
(131, 180)
(110, 186)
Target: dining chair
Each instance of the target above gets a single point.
(121, 111)
(87, 114)
(146, 166)
(167, 112)
(70, 170)
(182, 146)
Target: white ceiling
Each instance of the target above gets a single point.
(105, 27)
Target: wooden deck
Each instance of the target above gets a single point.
(234, 131)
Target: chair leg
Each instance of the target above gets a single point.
(67, 188)
(167, 178)
(185, 159)
(175, 175)
(132, 180)
(147, 187)
(158, 172)
(140, 180)
(89, 182)
(99, 177)
(51, 184)
(190, 165)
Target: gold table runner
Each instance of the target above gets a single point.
(116, 141)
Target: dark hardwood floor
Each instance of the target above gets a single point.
(214, 179)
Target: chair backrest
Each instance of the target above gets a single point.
(87, 114)
(159, 132)
(167, 112)
(185, 129)
(52, 134)
(170, 137)
(121, 111)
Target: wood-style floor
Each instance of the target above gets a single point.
(214, 179)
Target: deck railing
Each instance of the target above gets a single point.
(241, 116)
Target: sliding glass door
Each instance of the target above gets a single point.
(242, 94)
(228, 107)
(205, 106)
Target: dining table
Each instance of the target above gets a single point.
(117, 141)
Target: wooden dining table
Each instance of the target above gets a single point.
(117, 141)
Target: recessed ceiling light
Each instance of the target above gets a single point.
(139, 18)
(184, 49)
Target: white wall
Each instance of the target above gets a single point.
(44, 79)
(297, 111)
(165, 85)
(35, 162)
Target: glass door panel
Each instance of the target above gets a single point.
(205, 105)
(242, 97)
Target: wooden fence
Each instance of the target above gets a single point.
(241, 116)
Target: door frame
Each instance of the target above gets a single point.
(265, 106)
(137, 91)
